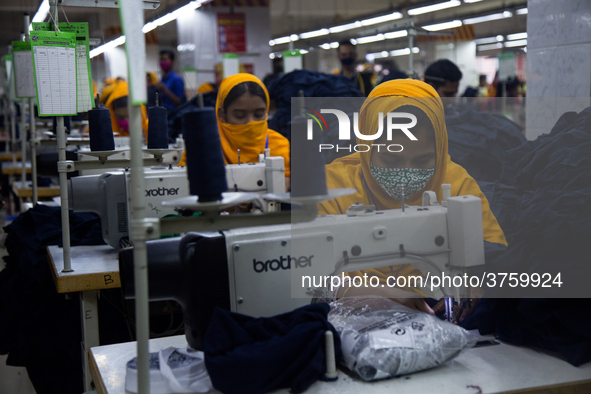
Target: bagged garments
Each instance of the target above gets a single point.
(381, 338)
(172, 370)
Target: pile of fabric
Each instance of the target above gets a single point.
(39, 328)
(543, 202)
(312, 84)
(176, 116)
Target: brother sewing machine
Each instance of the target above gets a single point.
(107, 194)
(262, 271)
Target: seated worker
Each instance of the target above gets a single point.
(422, 165)
(206, 87)
(151, 81)
(117, 104)
(241, 111)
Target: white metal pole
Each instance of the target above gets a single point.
(23, 125)
(33, 140)
(61, 151)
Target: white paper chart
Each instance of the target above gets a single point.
(84, 95)
(55, 69)
(24, 77)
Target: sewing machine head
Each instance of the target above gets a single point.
(107, 194)
(263, 271)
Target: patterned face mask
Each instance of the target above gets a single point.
(390, 179)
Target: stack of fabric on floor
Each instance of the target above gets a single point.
(543, 202)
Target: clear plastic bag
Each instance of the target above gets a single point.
(381, 338)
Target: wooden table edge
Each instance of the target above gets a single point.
(96, 374)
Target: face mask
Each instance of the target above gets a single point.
(250, 132)
(347, 61)
(278, 70)
(165, 65)
(390, 179)
(123, 124)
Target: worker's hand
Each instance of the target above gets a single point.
(417, 304)
(160, 86)
(460, 312)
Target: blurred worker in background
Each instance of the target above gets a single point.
(347, 55)
(171, 87)
(277, 71)
(151, 81)
(117, 104)
(445, 77)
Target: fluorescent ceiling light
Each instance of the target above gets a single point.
(368, 39)
(517, 43)
(280, 40)
(434, 7)
(326, 45)
(271, 56)
(405, 51)
(489, 47)
(488, 18)
(41, 13)
(517, 36)
(396, 52)
(147, 27)
(315, 33)
(294, 37)
(521, 11)
(303, 51)
(443, 26)
(395, 34)
(381, 19)
(348, 26)
(334, 44)
(105, 47)
(489, 40)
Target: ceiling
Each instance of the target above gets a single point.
(287, 17)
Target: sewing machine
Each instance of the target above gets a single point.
(107, 194)
(259, 271)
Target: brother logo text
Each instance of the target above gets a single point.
(283, 263)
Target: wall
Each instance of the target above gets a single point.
(200, 29)
(558, 61)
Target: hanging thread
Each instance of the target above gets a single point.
(157, 126)
(100, 128)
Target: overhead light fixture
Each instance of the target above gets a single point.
(315, 33)
(381, 19)
(348, 26)
(434, 7)
(280, 40)
(326, 46)
(517, 43)
(368, 39)
(41, 13)
(521, 11)
(489, 47)
(405, 51)
(271, 56)
(193, 5)
(488, 18)
(488, 40)
(395, 34)
(172, 15)
(443, 26)
(334, 44)
(517, 36)
(397, 52)
(353, 41)
(105, 47)
(294, 37)
(303, 51)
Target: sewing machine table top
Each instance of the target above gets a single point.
(95, 268)
(489, 369)
(10, 168)
(9, 156)
(27, 191)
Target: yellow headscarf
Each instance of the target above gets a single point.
(205, 88)
(353, 171)
(119, 90)
(250, 138)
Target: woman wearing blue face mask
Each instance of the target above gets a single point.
(422, 164)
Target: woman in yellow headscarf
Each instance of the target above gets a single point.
(117, 104)
(241, 110)
(422, 164)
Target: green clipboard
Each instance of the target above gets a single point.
(54, 62)
(85, 94)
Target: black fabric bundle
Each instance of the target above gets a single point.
(39, 328)
(257, 355)
(312, 84)
(175, 117)
(543, 202)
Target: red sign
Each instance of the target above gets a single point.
(231, 33)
